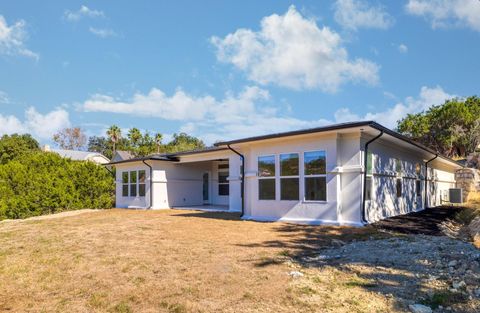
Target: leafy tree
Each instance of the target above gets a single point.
(134, 135)
(70, 138)
(146, 146)
(452, 128)
(14, 146)
(184, 142)
(114, 133)
(42, 182)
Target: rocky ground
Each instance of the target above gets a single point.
(421, 273)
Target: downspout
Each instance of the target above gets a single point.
(365, 165)
(243, 178)
(426, 181)
(151, 184)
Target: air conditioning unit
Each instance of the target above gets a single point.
(455, 195)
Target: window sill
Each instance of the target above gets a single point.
(315, 201)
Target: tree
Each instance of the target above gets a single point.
(146, 145)
(158, 141)
(184, 142)
(452, 129)
(14, 146)
(70, 138)
(134, 135)
(114, 133)
(101, 145)
(40, 183)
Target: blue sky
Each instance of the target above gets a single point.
(230, 69)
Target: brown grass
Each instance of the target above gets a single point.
(173, 261)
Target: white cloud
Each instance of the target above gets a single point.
(156, 103)
(12, 39)
(389, 117)
(355, 14)
(447, 13)
(233, 116)
(84, 11)
(292, 51)
(102, 32)
(402, 48)
(41, 126)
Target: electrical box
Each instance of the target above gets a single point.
(455, 195)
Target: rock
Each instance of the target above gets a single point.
(296, 274)
(459, 285)
(452, 263)
(338, 242)
(477, 292)
(419, 308)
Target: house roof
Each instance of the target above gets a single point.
(122, 155)
(76, 154)
(223, 145)
(334, 127)
(172, 157)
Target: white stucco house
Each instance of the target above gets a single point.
(346, 174)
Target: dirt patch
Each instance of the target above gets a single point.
(185, 261)
(163, 261)
(411, 269)
(426, 222)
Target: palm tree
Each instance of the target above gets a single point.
(158, 141)
(114, 133)
(134, 135)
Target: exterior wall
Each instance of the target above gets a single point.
(131, 202)
(177, 184)
(298, 210)
(384, 202)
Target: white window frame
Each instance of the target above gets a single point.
(227, 183)
(289, 176)
(274, 177)
(137, 183)
(304, 176)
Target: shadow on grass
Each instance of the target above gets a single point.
(378, 271)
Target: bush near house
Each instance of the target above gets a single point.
(34, 183)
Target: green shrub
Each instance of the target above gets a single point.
(41, 183)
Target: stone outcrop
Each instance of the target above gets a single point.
(469, 180)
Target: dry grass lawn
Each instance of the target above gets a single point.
(174, 261)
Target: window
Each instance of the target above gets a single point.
(399, 187)
(124, 184)
(141, 183)
(418, 169)
(133, 183)
(223, 184)
(398, 166)
(369, 163)
(289, 181)
(266, 181)
(315, 176)
(418, 188)
(369, 188)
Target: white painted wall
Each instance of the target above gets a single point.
(300, 210)
(180, 183)
(132, 202)
(385, 202)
